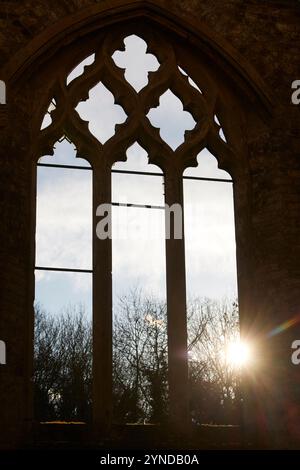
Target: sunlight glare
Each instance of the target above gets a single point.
(238, 354)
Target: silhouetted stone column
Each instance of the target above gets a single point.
(176, 305)
(102, 309)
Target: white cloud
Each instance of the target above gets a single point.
(136, 62)
(64, 216)
(171, 119)
(101, 112)
(207, 167)
(64, 154)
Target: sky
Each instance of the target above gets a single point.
(64, 205)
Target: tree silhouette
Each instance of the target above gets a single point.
(63, 362)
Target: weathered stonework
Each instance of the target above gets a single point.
(266, 35)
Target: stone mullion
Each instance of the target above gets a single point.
(102, 308)
(176, 310)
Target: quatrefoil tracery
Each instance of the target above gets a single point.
(168, 78)
(136, 62)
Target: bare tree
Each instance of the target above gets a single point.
(63, 362)
(140, 359)
(215, 378)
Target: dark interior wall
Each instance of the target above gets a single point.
(267, 34)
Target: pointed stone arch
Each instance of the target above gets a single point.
(97, 17)
(230, 79)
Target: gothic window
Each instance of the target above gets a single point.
(133, 123)
(63, 292)
(209, 230)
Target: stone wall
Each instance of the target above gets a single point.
(267, 34)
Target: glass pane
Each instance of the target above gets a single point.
(138, 251)
(57, 291)
(64, 154)
(213, 318)
(137, 160)
(127, 189)
(207, 167)
(63, 347)
(63, 300)
(64, 218)
(137, 189)
(210, 239)
(140, 389)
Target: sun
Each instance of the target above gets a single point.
(238, 354)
